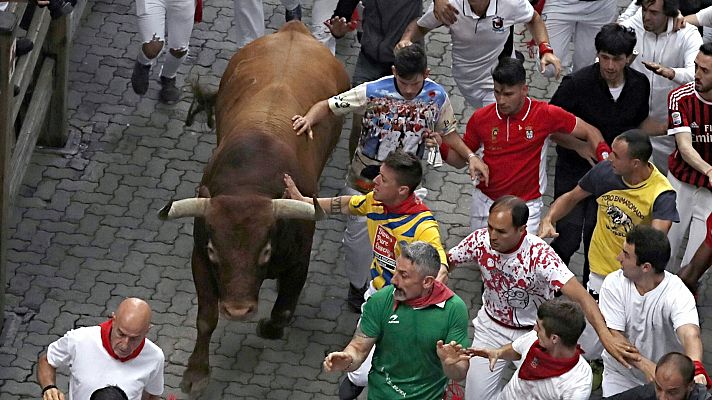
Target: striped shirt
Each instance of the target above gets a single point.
(689, 113)
(386, 230)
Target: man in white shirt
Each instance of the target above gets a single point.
(650, 307)
(553, 367)
(478, 37)
(667, 58)
(520, 272)
(115, 352)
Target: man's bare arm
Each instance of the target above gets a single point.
(559, 209)
(353, 355)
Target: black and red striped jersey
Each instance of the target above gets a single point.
(689, 113)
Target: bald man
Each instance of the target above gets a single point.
(115, 352)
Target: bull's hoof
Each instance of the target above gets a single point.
(195, 381)
(268, 330)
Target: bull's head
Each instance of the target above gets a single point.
(236, 240)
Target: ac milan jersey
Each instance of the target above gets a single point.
(515, 146)
(515, 283)
(689, 113)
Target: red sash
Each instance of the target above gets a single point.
(439, 294)
(411, 205)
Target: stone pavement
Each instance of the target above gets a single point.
(85, 232)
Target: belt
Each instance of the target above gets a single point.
(519, 328)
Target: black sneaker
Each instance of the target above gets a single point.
(169, 93)
(296, 14)
(348, 390)
(355, 297)
(139, 78)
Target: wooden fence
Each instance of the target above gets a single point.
(33, 102)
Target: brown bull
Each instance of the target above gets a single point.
(242, 235)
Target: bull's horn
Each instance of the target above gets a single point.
(293, 209)
(194, 207)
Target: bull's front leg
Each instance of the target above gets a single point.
(197, 376)
(290, 286)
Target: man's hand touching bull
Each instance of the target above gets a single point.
(304, 123)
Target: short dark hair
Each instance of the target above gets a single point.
(423, 255)
(670, 7)
(563, 318)
(409, 171)
(509, 72)
(410, 60)
(706, 49)
(615, 39)
(651, 246)
(517, 206)
(109, 393)
(681, 363)
(639, 145)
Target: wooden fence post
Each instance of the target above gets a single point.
(59, 45)
(7, 141)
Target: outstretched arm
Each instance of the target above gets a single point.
(559, 209)
(330, 205)
(47, 375)
(304, 123)
(352, 356)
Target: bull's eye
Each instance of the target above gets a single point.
(265, 254)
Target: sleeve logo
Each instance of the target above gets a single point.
(676, 118)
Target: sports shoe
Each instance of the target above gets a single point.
(355, 297)
(296, 14)
(139, 78)
(169, 93)
(348, 390)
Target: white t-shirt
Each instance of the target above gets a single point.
(573, 385)
(649, 321)
(704, 16)
(476, 42)
(92, 368)
(515, 283)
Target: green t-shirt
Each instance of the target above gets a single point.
(405, 363)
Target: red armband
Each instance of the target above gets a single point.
(602, 151)
(545, 47)
(444, 150)
(700, 369)
(198, 16)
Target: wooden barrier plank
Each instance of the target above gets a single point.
(59, 45)
(26, 64)
(7, 137)
(31, 127)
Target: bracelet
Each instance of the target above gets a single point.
(470, 156)
(48, 387)
(545, 47)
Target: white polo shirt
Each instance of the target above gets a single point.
(476, 42)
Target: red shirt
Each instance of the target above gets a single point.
(708, 237)
(688, 112)
(515, 147)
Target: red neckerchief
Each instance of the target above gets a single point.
(541, 365)
(198, 17)
(411, 205)
(106, 341)
(439, 294)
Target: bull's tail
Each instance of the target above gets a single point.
(203, 100)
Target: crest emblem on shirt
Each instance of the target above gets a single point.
(497, 23)
(534, 363)
(495, 132)
(676, 118)
(529, 133)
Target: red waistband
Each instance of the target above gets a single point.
(498, 322)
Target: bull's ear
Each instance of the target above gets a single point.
(319, 213)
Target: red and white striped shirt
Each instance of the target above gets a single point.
(689, 113)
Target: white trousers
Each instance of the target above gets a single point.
(479, 211)
(694, 205)
(157, 16)
(477, 98)
(357, 247)
(483, 384)
(579, 22)
(322, 10)
(250, 19)
(614, 383)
